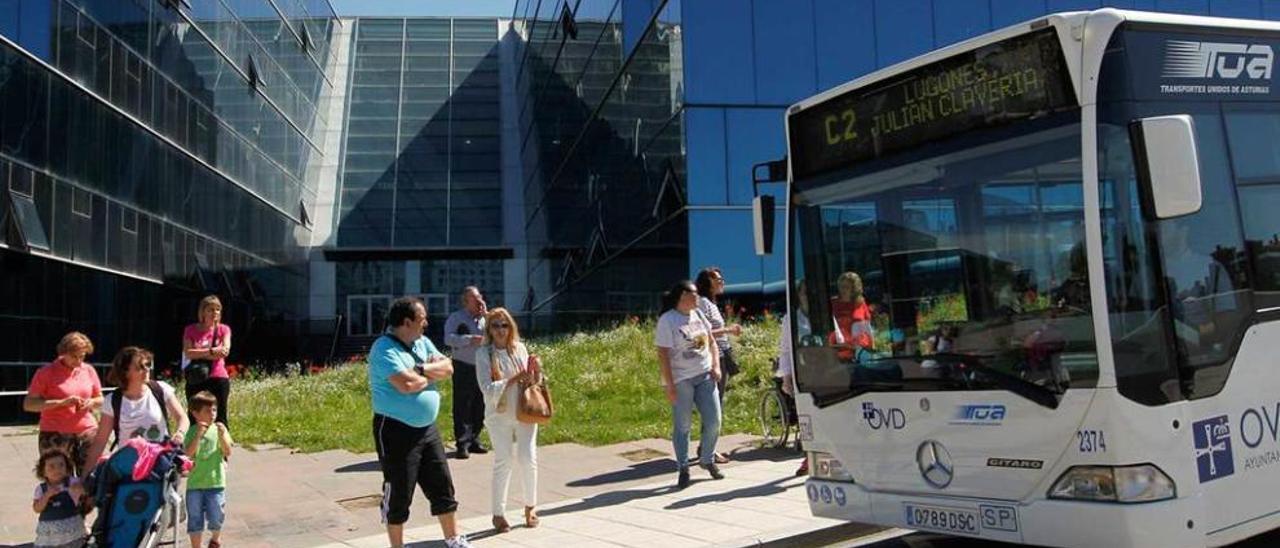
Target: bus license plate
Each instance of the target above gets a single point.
(941, 518)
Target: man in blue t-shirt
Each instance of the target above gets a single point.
(403, 369)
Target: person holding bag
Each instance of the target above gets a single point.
(710, 284)
(505, 372)
(205, 347)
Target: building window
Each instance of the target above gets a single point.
(567, 22)
(23, 182)
(82, 203)
(129, 220)
(85, 30)
(255, 75)
(27, 221)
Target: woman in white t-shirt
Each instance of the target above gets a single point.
(137, 401)
(690, 364)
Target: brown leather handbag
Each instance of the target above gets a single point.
(535, 405)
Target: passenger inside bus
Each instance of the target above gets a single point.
(853, 319)
(1073, 292)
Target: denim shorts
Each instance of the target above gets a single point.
(205, 505)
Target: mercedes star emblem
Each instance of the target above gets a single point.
(935, 464)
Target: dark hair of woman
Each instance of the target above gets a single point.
(118, 374)
(672, 297)
(705, 278)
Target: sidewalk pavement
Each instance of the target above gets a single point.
(618, 495)
(760, 502)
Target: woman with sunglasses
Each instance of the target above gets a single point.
(502, 364)
(690, 366)
(710, 285)
(137, 402)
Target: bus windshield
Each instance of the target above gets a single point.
(961, 269)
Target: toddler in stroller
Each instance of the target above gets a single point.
(136, 493)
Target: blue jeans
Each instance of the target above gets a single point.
(702, 392)
(202, 504)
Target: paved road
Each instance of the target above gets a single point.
(618, 495)
(932, 540)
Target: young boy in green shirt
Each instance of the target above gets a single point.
(209, 445)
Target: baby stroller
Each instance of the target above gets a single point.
(138, 512)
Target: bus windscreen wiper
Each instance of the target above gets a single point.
(859, 388)
(1036, 393)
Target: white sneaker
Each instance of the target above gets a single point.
(459, 541)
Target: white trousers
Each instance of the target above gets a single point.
(513, 441)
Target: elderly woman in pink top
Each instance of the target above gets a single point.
(66, 393)
(209, 339)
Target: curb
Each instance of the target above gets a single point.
(808, 536)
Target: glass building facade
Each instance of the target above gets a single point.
(418, 207)
(602, 160)
(571, 160)
(651, 92)
(150, 153)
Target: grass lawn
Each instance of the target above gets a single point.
(605, 386)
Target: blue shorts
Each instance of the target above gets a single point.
(205, 505)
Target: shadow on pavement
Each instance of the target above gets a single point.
(750, 454)
(612, 498)
(473, 537)
(369, 466)
(666, 466)
(768, 489)
(637, 471)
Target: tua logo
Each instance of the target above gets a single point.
(992, 413)
(1184, 59)
(1212, 438)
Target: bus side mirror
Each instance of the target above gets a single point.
(762, 206)
(762, 214)
(1169, 164)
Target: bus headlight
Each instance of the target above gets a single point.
(1135, 483)
(825, 466)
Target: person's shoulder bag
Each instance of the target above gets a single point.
(534, 405)
(198, 370)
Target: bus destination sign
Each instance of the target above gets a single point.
(1017, 79)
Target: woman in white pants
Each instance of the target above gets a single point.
(502, 363)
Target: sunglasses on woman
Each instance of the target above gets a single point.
(501, 325)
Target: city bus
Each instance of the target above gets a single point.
(1057, 248)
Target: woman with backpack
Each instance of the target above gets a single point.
(140, 407)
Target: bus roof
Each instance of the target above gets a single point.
(1070, 21)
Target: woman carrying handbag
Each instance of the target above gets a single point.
(505, 372)
(205, 347)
